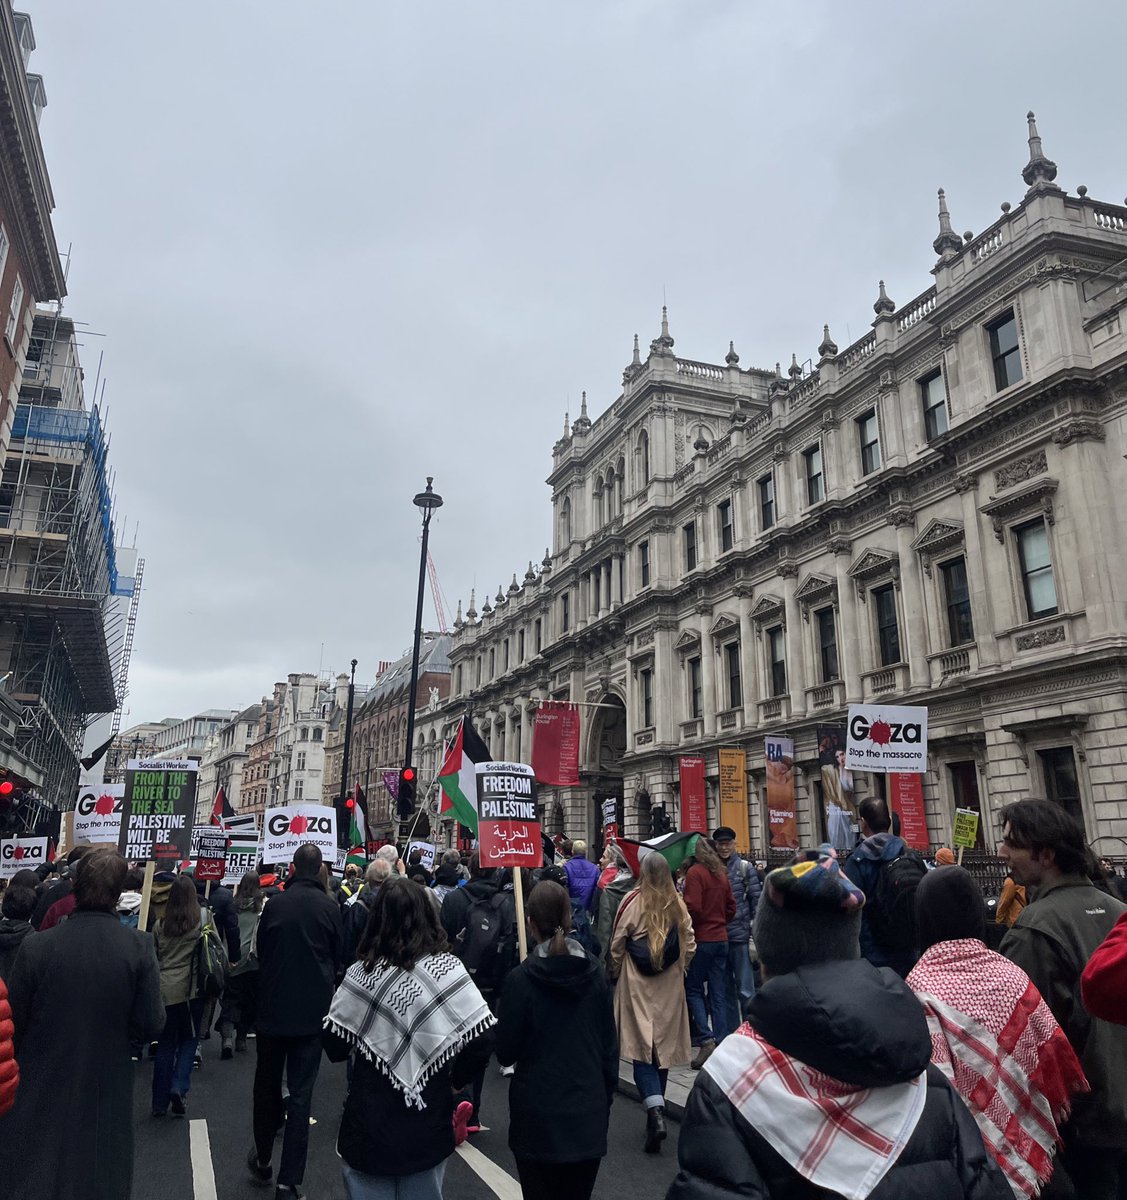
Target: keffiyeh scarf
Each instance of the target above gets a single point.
(995, 1039)
(408, 1024)
(839, 1137)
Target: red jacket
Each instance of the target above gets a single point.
(1103, 985)
(9, 1071)
(710, 903)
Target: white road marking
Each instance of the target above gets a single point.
(502, 1184)
(203, 1173)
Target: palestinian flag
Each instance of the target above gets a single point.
(673, 847)
(220, 808)
(358, 829)
(457, 778)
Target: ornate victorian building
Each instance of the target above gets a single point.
(931, 515)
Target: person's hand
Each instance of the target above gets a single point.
(401, 866)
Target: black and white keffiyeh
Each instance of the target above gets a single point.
(408, 1024)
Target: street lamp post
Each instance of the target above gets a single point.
(347, 752)
(427, 500)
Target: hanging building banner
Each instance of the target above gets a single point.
(508, 821)
(886, 737)
(782, 819)
(157, 810)
(906, 793)
(295, 825)
(610, 818)
(733, 797)
(555, 744)
(19, 854)
(842, 822)
(97, 814)
(694, 799)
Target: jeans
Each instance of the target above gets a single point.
(299, 1058)
(741, 983)
(176, 1047)
(650, 1081)
(709, 968)
(424, 1185)
(557, 1181)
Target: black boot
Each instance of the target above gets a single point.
(655, 1129)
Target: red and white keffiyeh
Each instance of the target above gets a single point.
(995, 1039)
(839, 1137)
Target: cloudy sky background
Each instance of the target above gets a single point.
(338, 246)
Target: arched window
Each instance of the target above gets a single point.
(305, 733)
(620, 484)
(565, 532)
(316, 735)
(644, 458)
(597, 498)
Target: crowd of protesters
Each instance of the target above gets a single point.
(858, 1028)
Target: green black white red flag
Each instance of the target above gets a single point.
(457, 777)
(358, 828)
(673, 847)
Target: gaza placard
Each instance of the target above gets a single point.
(97, 814)
(297, 825)
(18, 854)
(886, 737)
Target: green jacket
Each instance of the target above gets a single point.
(177, 956)
(610, 900)
(1052, 940)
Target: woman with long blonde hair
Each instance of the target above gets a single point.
(650, 951)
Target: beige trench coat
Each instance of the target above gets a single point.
(650, 1010)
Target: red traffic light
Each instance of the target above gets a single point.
(7, 787)
(408, 775)
(350, 803)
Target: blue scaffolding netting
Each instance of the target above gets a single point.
(78, 426)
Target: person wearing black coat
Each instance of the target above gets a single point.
(221, 901)
(834, 1044)
(456, 904)
(559, 996)
(299, 958)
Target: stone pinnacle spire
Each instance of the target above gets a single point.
(637, 360)
(583, 421)
(732, 358)
(883, 304)
(948, 243)
(1039, 169)
(471, 612)
(664, 343)
(828, 348)
(794, 370)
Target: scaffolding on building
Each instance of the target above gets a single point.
(58, 566)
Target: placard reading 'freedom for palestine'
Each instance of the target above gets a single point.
(156, 816)
(508, 829)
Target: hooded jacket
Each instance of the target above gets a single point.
(456, 905)
(864, 1027)
(746, 890)
(9, 1070)
(582, 878)
(446, 879)
(863, 867)
(12, 934)
(556, 1024)
(610, 901)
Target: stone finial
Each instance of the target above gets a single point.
(567, 426)
(1082, 191)
(530, 574)
(514, 587)
(1039, 169)
(701, 444)
(663, 344)
(634, 369)
(546, 561)
(1006, 206)
(458, 621)
(948, 243)
(471, 612)
(732, 358)
(486, 608)
(794, 370)
(500, 597)
(636, 361)
(884, 304)
(828, 348)
(583, 421)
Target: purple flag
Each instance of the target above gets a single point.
(391, 782)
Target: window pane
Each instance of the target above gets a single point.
(935, 405)
(888, 634)
(1036, 569)
(776, 654)
(735, 681)
(956, 593)
(1005, 335)
(814, 490)
(827, 644)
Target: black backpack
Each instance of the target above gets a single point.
(638, 948)
(487, 942)
(892, 905)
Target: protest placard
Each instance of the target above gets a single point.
(508, 826)
(157, 810)
(18, 854)
(886, 737)
(966, 829)
(97, 814)
(210, 852)
(427, 851)
(295, 825)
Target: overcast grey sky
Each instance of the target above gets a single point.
(338, 246)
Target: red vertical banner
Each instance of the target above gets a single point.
(907, 794)
(555, 744)
(694, 804)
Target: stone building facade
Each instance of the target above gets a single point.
(928, 516)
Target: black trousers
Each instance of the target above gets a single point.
(557, 1181)
(298, 1059)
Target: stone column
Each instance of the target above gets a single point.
(604, 591)
(526, 716)
(978, 544)
(796, 660)
(748, 674)
(665, 680)
(913, 599)
(708, 676)
(848, 635)
(617, 572)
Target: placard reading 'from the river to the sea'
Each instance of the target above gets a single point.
(156, 818)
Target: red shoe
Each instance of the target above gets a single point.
(462, 1115)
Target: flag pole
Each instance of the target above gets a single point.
(518, 893)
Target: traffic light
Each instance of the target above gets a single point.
(408, 781)
(659, 821)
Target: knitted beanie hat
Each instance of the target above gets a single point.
(809, 913)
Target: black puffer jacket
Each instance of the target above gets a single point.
(221, 901)
(860, 1025)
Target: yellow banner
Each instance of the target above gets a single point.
(733, 797)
